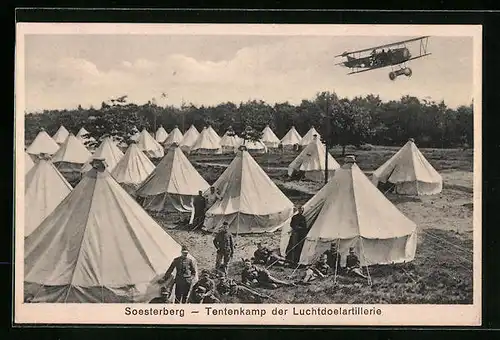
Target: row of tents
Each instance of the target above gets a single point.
(206, 141)
(99, 245)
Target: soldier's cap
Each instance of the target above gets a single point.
(201, 289)
(351, 248)
(184, 249)
(225, 223)
(205, 271)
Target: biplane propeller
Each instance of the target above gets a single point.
(396, 58)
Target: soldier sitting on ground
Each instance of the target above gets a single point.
(264, 255)
(226, 286)
(256, 277)
(319, 269)
(200, 295)
(353, 265)
(206, 282)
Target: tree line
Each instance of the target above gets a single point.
(340, 121)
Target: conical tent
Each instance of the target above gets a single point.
(71, 155)
(175, 136)
(133, 168)
(135, 134)
(98, 246)
(173, 183)
(43, 143)
(60, 136)
(251, 202)
(291, 138)
(28, 163)
(230, 142)
(269, 138)
(189, 138)
(409, 172)
(107, 150)
(83, 136)
(311, 161)
(161, 134)
(354, 213)
(309, 137)
(149, 145)
(208, 142)
(82, 132)
(45, 188)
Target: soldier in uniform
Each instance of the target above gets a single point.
(264, 255)
(226, 286)
(206, 282)
(223, 242)
(319, 269)
(253, 276)
(333, 257)
(200, 207)
(353, 265)
(200, 295)
(185, 274)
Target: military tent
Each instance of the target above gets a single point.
(251, 202)
(351, 211)
(311, 162)
(208, 142)
(172, 184)
(43, 143)
(28, 163)
(132, 169)
(254, 147)
(269, 138)
(175, 136)
(309, 137)
(147, 144)
(45, 187)
(107, 150)
(60, 136)
(71, 155)
(98, 246)
(409, 172)
(230, 142)
(189, 138)
(291, 139)
(161, 134)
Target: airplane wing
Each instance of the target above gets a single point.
(382, 46)
(382, 66)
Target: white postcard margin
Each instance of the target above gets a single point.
(261, 314)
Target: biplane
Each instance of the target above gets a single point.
(396, 57)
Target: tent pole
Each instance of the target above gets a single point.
(366, 262)
(336, 262)
(326, 139)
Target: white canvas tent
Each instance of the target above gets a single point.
(291, 138)
(135, 134)
(208, 142)
(147, 144)
(71, 155)
(133, 168)
(230, 142)
(161, 134)
(28, 163)
(175, 136)
(254, 146)
(251, 202)
(309, 137)
(269, 138)
(409, 172)
(45, 188)
(172, 184)
(83, 136)
(43, 143)
(189, 138)
(98, 246)
(107, 150)
(60, 136)
(350, 210)
(82, 132)
(311, 161)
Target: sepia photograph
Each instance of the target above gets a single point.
(248, 174)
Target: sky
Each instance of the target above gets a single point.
(64, 71)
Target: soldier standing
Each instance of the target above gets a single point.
(223, 242)
(185, 274)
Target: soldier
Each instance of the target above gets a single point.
(226, 286)
(353, 265)
(185, 274)
(333, 257)
(318, 269)
(264, 255)
(299, 231)
(200, 206)
(223, 242)
(206, 282)
(253, 276)
(212, 197)
(200, 295)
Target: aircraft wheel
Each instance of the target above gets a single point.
(408, 72)
(392, 76)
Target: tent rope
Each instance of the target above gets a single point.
(458, 255)
(431, 234)
(336, 262)
(455, 260)
(366, 262)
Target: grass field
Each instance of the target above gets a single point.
(441, 272)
